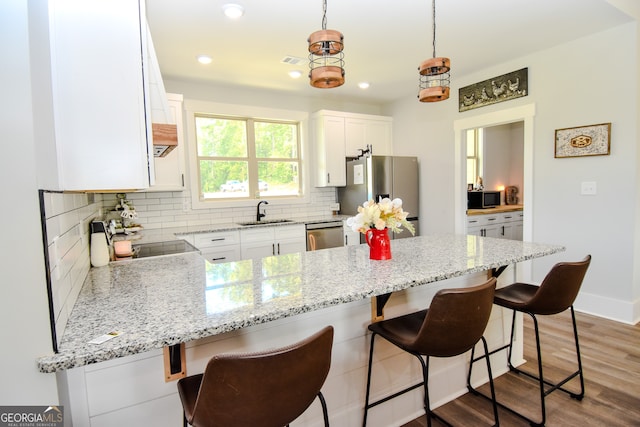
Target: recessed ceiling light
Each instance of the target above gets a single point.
(233, 11)
(204, 59)
(294, 74)
(363, 85)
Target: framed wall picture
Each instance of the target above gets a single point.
(593, 140)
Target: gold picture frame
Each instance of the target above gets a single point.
(592, 140)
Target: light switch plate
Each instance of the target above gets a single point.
(588, 188)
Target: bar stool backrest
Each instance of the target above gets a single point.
(455, 321)
(269, 389)
(559, 289)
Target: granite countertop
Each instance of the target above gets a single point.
(167, 300)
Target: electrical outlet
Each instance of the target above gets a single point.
(185, 205)
(588, 188)
(334, 207)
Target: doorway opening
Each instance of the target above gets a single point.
(495, 160)
(524, 115)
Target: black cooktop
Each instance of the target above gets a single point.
(145, 250)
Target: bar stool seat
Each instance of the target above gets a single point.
(266, 389)
(452, 325)
(556, 294)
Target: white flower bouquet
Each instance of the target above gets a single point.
(384, 214)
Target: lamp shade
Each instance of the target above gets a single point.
(326, 59)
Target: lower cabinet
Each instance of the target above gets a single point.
(512, 225)
(266, 241)
(506, 225)
(350, 237)
(257, 242)
(220, 246)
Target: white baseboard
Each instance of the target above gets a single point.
(609, 308)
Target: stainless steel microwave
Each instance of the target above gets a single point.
(483, 199)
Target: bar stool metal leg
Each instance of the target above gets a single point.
(368, 405)
(438, 331)
(425, 378)
(542, 383)
(554, 295)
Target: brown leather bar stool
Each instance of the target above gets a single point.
(452, 325)
(266, 389)
(556, 293)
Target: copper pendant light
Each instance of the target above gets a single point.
(434, 73)
(326, 58)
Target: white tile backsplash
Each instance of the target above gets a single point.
(165, 209)
(67, 217)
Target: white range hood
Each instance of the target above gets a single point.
(163, 128)
(165, 138)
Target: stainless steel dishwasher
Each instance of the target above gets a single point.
(324, 235)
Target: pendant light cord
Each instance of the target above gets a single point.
(433, 6)
(324, 15)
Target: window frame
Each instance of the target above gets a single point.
(232, 111)
(477, 157)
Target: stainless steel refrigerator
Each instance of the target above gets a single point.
(376, 177)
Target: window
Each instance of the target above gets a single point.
(246, 158)
(474, 155)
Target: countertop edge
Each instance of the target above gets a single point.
(72, 359)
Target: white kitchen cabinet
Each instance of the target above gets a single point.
(219, 246)
(98, 92)
(483, 225)
(170, 169)
(512, 225)
(506, 225)
(337, 135)
(329, 147)
(372, 130)
(261, 242)
(518, 227)
(351, 237)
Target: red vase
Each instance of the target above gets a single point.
(379, 244)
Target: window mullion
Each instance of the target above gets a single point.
(253, 162)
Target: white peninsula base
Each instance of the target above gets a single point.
(132, 391)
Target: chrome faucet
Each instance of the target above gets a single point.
(258, 214)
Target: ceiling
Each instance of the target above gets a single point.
(385, 41)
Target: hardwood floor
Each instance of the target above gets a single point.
(611, 365)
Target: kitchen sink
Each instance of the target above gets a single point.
(265, 222)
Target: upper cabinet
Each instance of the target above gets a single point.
(98, 89)
(337, 136)
(329, 147)
(368, 130)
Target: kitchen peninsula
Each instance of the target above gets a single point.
(256, 304)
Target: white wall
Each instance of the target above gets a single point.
(567, 92)
(503, 157)
(24, 313)
(632, 8)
